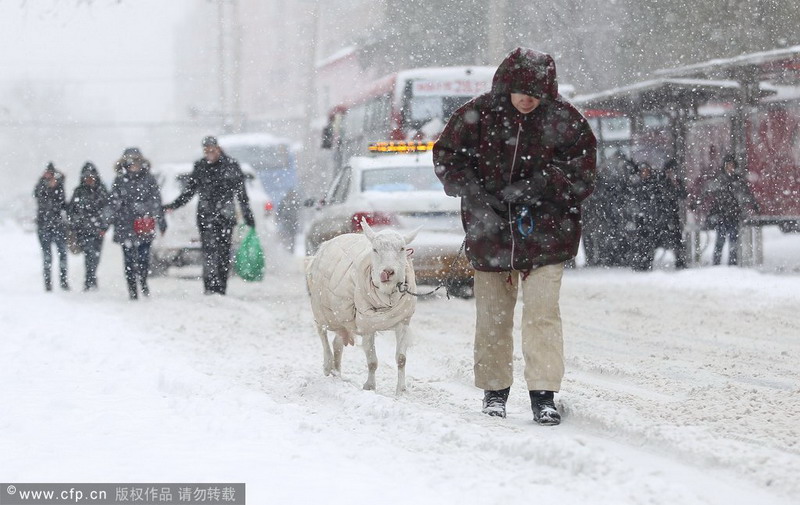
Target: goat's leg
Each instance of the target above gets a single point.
(327, 355)
(338, 347)
(372, 359)
(402, 335)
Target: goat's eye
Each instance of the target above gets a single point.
(375, 250)
(402, 249)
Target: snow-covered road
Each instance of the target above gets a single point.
(680, 388)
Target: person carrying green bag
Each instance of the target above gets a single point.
(250, 258)
(218, 181)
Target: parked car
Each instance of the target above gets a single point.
(180, 245)
(399, 191)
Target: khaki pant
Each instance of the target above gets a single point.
(542, 343)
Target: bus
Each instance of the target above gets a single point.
(410, 104)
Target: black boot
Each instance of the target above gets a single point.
(544, 408)
(132, 291)
(63, 279)
(494, 402)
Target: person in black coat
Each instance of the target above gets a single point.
(50, 223)
(643, 216)
(88, 220)
(730, 200)
(672, 198)
(135, 211)
(218, 181)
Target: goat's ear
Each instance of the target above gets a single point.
(368, 231)
(411, 235)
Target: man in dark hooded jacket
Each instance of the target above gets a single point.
(219, 181)
(522, 159)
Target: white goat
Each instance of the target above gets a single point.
(358, 284)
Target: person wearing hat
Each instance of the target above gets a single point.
(522, 159)
(88, 219)
(135, 211)
(50, 223)
(218, 181)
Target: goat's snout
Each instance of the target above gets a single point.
(387, 274)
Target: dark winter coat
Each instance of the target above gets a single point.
(51, 204)
(487, 145)
(219, 185)
(672, 194)
(728, 199)
(135, 195)
(87, 210)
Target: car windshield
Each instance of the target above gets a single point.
(400, 179)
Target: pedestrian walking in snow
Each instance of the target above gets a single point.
(729, 201)
(672, 212)
(287, 218)
(218, 181)
(522, 159)
(644, 211)
(88, 220)
(51, 224)
(135, 211)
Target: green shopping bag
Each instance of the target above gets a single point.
(250, 258)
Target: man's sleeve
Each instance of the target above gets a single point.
(188, 193)
(455, 153)
(244, 200)
(573, 169)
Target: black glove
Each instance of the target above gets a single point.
(478, 197)
(520, 192)
(485, 208)
(249, 221)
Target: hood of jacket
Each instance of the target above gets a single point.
(528, 72)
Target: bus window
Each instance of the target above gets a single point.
(615, 128)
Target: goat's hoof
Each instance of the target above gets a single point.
(369, 387)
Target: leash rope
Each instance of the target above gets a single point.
(403, 286)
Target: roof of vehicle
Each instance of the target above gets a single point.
(392, 160)
(256, 138)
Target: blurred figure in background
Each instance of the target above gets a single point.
(673, 212)
(644, 214)
(135, 211)
(88, 220)
(288, 219)
(729, 201)
(219, 181)
(51, 224)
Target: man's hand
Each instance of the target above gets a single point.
(479, 197)
(249, 221)
(520, 192)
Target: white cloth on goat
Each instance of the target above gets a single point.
(343, 295)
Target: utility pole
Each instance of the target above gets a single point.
(221, 65)
(229, 55)
(497, 30)
(236, 40)
(309, 147)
